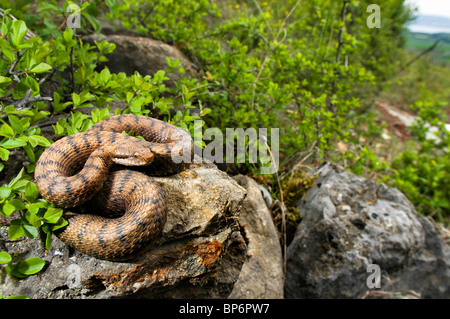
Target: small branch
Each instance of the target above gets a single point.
(48, 123)
(283, 210)
(100, 55)
(421, 54)
(12, 240)
(15, 62)
(39, 98)
(71, 70)
(48, 76)
(282, 28)
(262, 14)
(338, 52)
(341, 31)
(20, 104)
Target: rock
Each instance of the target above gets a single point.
(261, 276)
(350, 223)
(199, 255)
(145, 55)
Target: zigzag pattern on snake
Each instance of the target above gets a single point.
(130, 207)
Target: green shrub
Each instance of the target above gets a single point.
(423, 171)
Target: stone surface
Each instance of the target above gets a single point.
(349, 223)
(262, 274)
(145, 55)
(200, 253)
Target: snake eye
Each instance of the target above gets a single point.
(136, 154)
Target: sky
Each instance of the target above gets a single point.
(433, 7)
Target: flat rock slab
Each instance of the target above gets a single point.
(199, 255)
(351, 223)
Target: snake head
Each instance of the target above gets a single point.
(132, 155)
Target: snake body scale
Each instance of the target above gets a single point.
(130, 209)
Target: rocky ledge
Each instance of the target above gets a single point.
(200, 253)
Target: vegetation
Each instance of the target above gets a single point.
(311, 68)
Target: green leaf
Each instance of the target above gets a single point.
(93, 21)
(113, 7)
(30, 266)
(58, 107)
(17, 203)
(7, 209)
(17, 297)
(47, 6)
(5, 14)
(52, 215)
(4, 80)
(41, 67)
(15, 231)
(32, 84)
(68, 35)
(30, 152)
(4, 257)
(32, 218)
(7, 50)
(11, 270)
(15, 123)
(76, 99)
(60, 224)
(19, 182)
(31, 192)
(4, 154)
(33, 208)
(6, 131)
(13, 143)
(38, 140)
(5, 191)
(19, 29)
(48, 241)
(30, 231)
(105, 75)
(205, 111)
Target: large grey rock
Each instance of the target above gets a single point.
(145, 55)
(349, 223)
(262, 275)
(200, 253)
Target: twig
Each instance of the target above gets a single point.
(28, 35)
(341, 31)
(71, 70)
(49, 123)
(283, 209)
(268, 52)
(12, 240)
(421, 54)
(48, 76)
(262, 14)
(100, 55)
(20, 104)
(15, 62)
(338, 52)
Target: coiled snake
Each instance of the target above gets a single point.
(75, 168)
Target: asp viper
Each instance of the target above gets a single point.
(131, 209)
